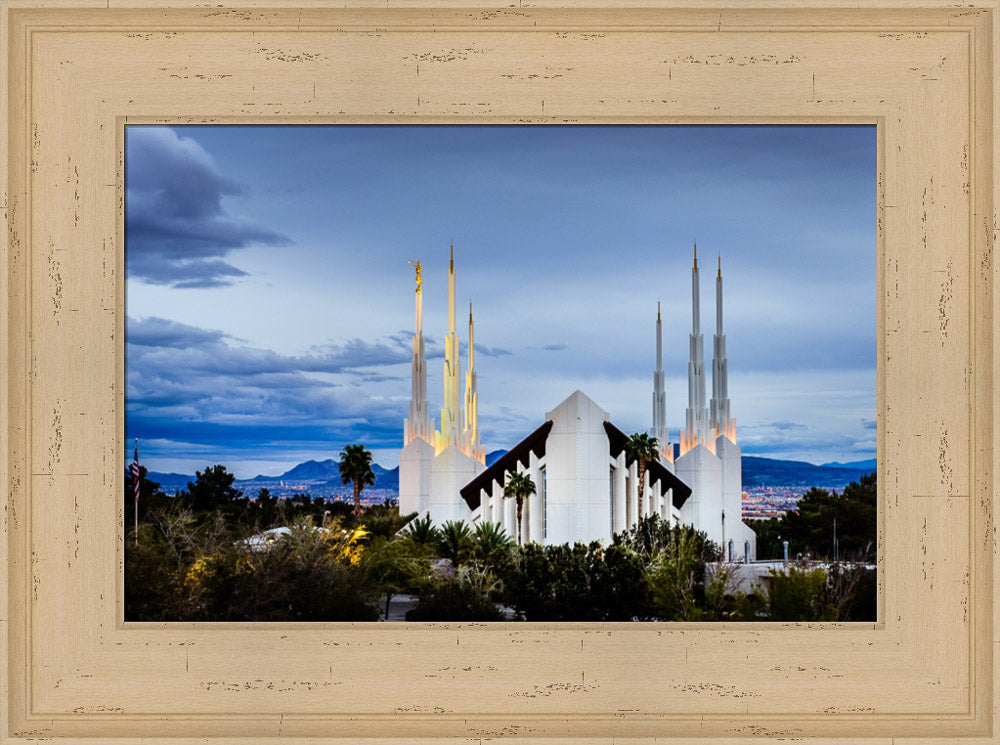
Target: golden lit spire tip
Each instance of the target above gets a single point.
(657, 311)
(720, 267)
(452, 264)
(696, 255)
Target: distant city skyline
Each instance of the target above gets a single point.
(269, 297)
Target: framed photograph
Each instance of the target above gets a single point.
(75, 77)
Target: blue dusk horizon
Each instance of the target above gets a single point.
(270, 298)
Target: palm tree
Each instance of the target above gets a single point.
(641, 449)
(421, 531)
(454, 541)
(489, 540)
(356, 465)
(520, 486)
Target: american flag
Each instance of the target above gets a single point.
(136, 476)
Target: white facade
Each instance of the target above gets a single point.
(584, 490)
(415, 477)
(577, 499)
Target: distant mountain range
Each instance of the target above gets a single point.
(866, 465)
(771, 472)
(316, 477)
(320, 477)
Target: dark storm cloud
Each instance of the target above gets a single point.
(170, 344)
(177, 230)
(201, 385)
(159, 332)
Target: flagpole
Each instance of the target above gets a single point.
(135, 488)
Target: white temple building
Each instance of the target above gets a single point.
(584, 489)
(435, 464)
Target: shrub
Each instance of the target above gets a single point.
(575, 583)
(466, 596)
(797, 595)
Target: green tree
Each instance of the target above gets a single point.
(821, 518)
(385, 521)
(266, 516)
(212, 489)
(309, 574)
(397, 565)
(641, 448)
(466, 596)
(653, 534)
(770, 536)
(856, 519)
(849, 593)
(356, 466)
(454, 542)
(151, 499)
(151, 570)
(520, 487)
(672, 577)
(617, 582)
(490, 543)
(796, 594)
(577, 582)
(422, 531)
(551, 583)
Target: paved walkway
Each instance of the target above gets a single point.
(399, 605)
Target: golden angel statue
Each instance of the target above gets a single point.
(420, 281)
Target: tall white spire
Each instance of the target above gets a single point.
(696, 424)
(419, 424)
(721, 422)
(470, 429)
(450, 412)
(659, 430)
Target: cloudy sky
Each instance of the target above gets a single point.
(270, 298)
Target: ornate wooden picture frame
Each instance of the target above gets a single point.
(76, 72)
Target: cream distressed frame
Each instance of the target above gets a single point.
(76, 71)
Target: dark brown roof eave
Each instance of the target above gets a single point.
(517, 455)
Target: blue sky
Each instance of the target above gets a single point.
(269, 297)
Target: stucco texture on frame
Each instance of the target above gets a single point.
(74, 76)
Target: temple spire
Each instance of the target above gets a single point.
(470, 336)
(451, 415)
(696, 424)
(722, 422)
(659, 430)
(718, 300)
(470, 428)
(695, 296)
(419, 425)
(451, 293)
